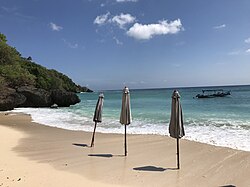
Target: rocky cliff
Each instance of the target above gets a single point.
(24, 83)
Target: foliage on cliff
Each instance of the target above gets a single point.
(16, 71)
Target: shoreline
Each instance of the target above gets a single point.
(117, 133)
(151, 159)
(208, 131)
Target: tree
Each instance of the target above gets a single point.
(8, 54)
(29, 58)
(16, 71)
(3, 38)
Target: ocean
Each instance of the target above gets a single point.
(223, 121)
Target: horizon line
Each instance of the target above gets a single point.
(176, 87)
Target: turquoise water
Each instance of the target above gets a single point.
(219, 121)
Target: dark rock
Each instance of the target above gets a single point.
(88, 90)
(54, 106)
(80, 89)
(29, 96)
(63, 98)
(35, 97)
(9, 99)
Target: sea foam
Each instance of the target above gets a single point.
(213, 131)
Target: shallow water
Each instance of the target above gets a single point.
(219, 121)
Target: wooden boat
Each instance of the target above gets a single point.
(213, 93)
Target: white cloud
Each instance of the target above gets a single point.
(15, 11)
(247, 40)
(55, 27)
(219, 26)
(70, 45)
(118, 42)
(9, 10)
(123, 19)
(248, 51)
(145, 32)
(73, 46)
(122, 1)
(234, 52)
(120, 20)
(102, 19)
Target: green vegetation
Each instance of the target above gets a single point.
(17, 71)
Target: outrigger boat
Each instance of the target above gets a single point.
(213, 93)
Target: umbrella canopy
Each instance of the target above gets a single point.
(97, 116)
(125, 117)
(176, 128)
(98, 109)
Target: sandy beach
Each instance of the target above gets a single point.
(37, 155)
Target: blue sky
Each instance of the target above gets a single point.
(106, 44)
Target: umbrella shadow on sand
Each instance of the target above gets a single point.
(105, 155)
(80, 145)
(153, 168)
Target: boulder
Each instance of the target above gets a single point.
(54, 106)
(63, 98)
(35, 97)
(29, 96)
(9, 99)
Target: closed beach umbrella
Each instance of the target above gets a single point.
(98, 115)
(125, 117)
(176, 128)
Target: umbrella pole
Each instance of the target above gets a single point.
(178, 155)
(125, 141)
(93, 136)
